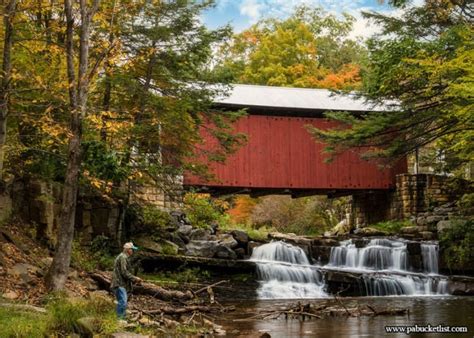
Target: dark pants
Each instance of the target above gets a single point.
(121, 295)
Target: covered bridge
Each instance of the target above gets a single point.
(281, 156)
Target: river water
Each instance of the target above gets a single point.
(285, 275)
(437, 310)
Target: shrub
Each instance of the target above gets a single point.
(204, 211)
(457, 244)
(391, 227)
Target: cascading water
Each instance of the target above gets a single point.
(285, 272)
(379, 254)
(389, 257)
(429, 254)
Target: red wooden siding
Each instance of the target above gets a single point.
(280, 154)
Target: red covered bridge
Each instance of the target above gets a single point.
(281, 156)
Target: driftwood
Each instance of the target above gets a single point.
(303, 311)
(171, 310)
(104, 280)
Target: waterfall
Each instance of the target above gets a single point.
(379, 254)
(390, 257)
(429, 254)
(285, 272)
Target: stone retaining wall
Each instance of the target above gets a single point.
(414, 194)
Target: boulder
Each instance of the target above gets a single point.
(202, 248)
(414, 248)
(409, 230)
(360, 242)
(87, 326)
(240, 252)
(177, 239)
(252, 245)
(427, 235)
(434, 219)
(368, 231)
(321, 254)
(227, 240)
(159, 245)
(324, 242)
(241, 237)
(200, 235)
(10, 294)
(225, 252)
(291, 238)
(443, 226)
(185, 230)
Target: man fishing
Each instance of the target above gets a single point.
(123, 278)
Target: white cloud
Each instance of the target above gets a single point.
(252, 9)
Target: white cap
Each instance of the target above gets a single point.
(130, 245)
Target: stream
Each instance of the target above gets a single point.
(389, 279)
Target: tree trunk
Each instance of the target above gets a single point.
(58, 272)
(9, 12)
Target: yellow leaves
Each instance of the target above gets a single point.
(103, 186)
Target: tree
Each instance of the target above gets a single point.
(9, 9)
(78, 84)
(309, 49)
(421, 67)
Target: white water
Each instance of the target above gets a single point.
(285, 272)
(379, 254)
(429, 253)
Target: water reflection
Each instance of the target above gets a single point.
(453, 311)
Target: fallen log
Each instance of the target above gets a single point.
(23, 307)
(170, 310)
(104, 279)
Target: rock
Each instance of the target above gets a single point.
(342, 228)
(225, 252)
(368, 231)
(434, 219)
(443, 226)
(201, 248)
(321, 254)
(200, 235)
(252, 245)
(291, 238)
(324, 242)
(427, 235)
(185, 230)
(159, 245)
(127, 335)
(241, 237)
(87, 326)
(409, 230)
(360, 242)
(227, 240)
(414, 248)
(11, 295)
(177, 239)
(240, 252)
(73, 274)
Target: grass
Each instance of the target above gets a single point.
(255, 234)
(186, 275)
(16, 323)
(60, 319)
(391, 227)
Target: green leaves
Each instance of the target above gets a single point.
(424, 61)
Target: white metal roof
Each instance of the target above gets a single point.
(296, 98)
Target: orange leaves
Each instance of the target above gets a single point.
(242, 209)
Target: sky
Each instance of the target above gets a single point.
(241, 14)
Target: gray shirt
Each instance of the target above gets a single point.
(122, 276)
